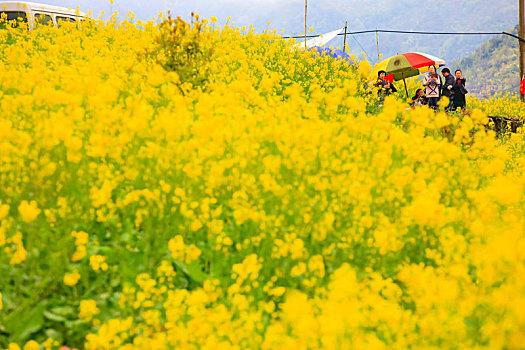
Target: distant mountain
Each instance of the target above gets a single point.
(412, 15)
(493, 67)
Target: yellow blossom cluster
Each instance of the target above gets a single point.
(28, 211)
(88, 309)
(502, 105)
(81, 239)
(98, 262)
(272, 204)
(71, 279)
(13, 248)
(181, 252)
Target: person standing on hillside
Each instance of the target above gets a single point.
(460, 91)
(448, 88)
(432, 83)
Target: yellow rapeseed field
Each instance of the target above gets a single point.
(505, 105)
(207, 187)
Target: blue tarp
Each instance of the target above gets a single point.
(325, 51)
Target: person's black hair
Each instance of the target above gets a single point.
(457, 70)
(445, 70)
(381, 71)
(432, 66)
(415, 96)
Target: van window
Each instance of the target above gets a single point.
(41, 18)
(13, 17)
(64, 19)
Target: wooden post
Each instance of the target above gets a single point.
(377, 43)
(305, 12)
(404, 81)
(344, 43)
(521, 34)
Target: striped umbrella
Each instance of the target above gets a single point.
(407, 65)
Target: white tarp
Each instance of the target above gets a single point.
(320, 40)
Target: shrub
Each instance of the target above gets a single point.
(180, 48)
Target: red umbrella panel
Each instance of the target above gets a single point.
(407, 65)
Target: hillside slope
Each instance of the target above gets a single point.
(467, 16)
(493, 67)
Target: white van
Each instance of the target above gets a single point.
(34, 13)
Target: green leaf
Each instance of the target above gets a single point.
(26, 321)
(130, 263)
(193, 270)
(72, 324)
(9, 301)
(63, 310)
(125, 238)
(54, 317)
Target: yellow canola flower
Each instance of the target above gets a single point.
(81, 237)
(79, 254)
(98, 263)
(29, 211)
(182, 252)
(31, 345)
(88, 309)
(71, 279)
(4, 210)
(506, 191)
(19, 255)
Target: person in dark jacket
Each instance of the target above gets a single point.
(385, 87)
(448, 87)
(419, 98)
(460, 91)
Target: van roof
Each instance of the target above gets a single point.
(44, 7)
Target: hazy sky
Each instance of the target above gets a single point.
(289, 14)
(327, 15)
(243, 11)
